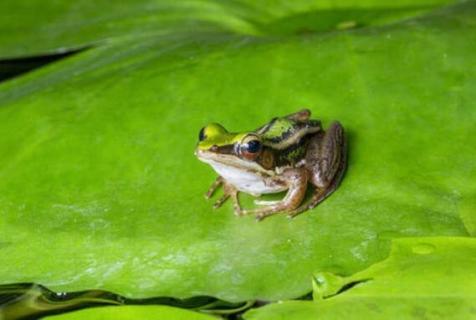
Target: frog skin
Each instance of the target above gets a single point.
(288, 153)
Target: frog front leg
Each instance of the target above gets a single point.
(228, 191)
(296, 180)
(215, 185)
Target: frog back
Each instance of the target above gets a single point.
(282, 133)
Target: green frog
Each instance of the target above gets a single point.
(287, 153)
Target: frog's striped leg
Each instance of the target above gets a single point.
(297, 179)
(330, 160)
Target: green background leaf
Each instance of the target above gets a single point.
(99, 187)
(133, 312)
(72, 25)
(432, 278)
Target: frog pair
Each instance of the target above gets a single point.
(288, 153)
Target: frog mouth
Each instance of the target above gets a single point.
(231, 160)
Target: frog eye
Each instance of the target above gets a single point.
(253, 146)
(250, 147)
(201, 134)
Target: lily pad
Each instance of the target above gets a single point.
(64, 26)
(432, 278)
(133, 312)
(99, 187)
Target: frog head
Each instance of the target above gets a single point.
(276, 145)
(242, 151)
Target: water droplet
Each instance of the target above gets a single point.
(423, 248)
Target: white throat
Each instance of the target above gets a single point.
(244, 180)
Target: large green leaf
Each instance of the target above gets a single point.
(99, 187)
(426, 278)
(133, 312)
(66, 25)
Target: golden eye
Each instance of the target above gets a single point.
(250, 147)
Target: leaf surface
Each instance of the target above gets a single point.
(430, 278)
(99, 187)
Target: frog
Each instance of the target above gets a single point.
(288, 153)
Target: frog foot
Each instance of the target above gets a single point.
(220, 201)
(229, 192)
(265, 211)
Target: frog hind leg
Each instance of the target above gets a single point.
(326, 160)
(301, 115)
(266, 202)
(296, 190)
